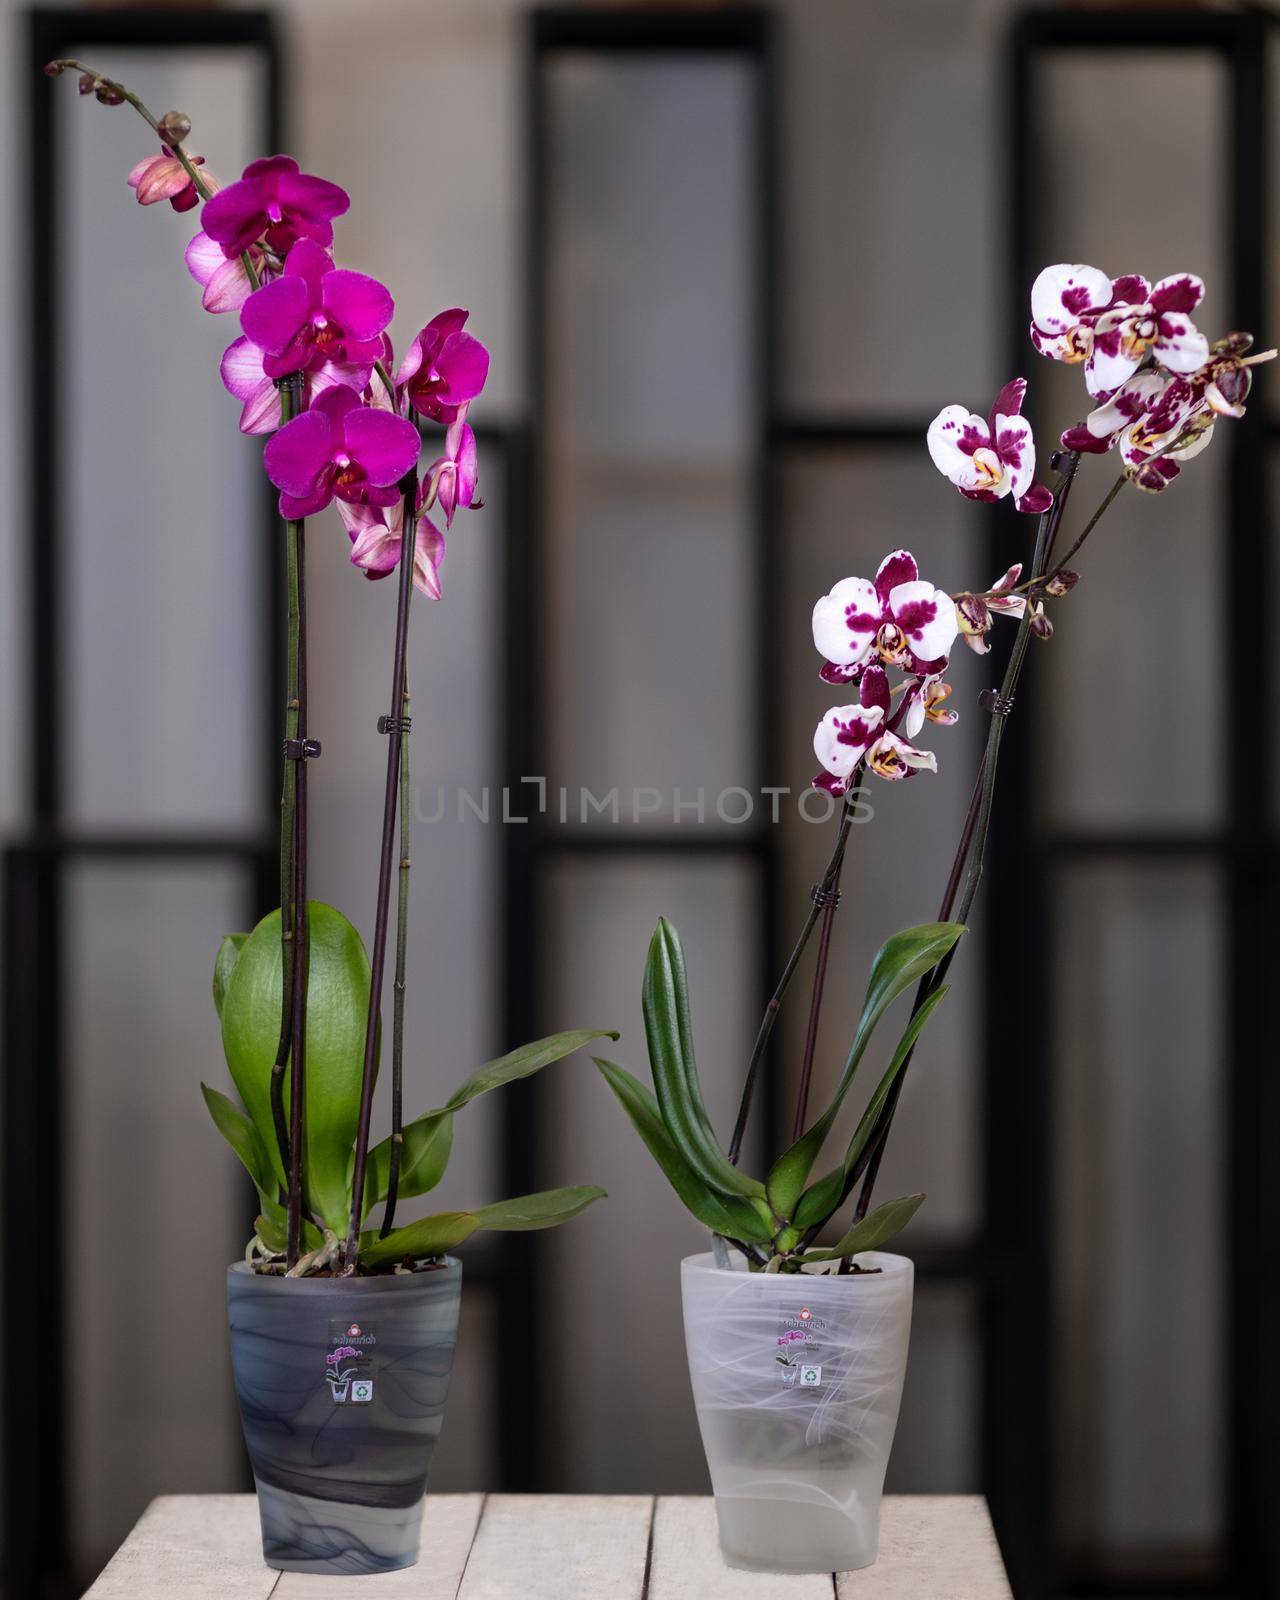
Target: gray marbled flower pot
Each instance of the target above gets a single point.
(342, 1384)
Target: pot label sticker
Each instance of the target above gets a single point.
(798, 1348)
(348, 1363)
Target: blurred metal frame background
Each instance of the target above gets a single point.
(36, 1544)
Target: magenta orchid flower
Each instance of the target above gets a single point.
(225, 281)
(275, 201)
(341, 449)
(444, 368)
(1151, 322)
(898, 620)
(164, 177)
(452, 478)
(987, 460)
(376, 536)
(316, 313)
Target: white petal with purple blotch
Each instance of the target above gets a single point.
(841, 738)
(845, 621)
(928, 618)
(953, 437)
(1062, 294)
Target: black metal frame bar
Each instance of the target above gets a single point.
(35, 1424)
(1026, 864)
(742, 31)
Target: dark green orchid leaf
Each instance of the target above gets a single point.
(337, 1008)
(826, 1196)
(224, 965)
(423, 1159)
(902, 959)
(675, 1070)
(875, 1229)
(242, 1136)
(732, 1215)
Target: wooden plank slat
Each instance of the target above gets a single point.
(687, 1564)
(448, 1529)
(939, 1545)
(560, 1547)
(202, 1547)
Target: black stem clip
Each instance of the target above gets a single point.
(823, 898)
(394, 724)
(999, 705)
(301, 749)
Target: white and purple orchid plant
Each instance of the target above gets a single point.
(1156, 388)
(299, 1000)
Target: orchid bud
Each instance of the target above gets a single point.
(109, 94)
(54, 69)
(1040, 624)
(1062, 583)
(174, 127)
(973, 615)
(88, 83)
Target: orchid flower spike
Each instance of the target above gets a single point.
(987, 460)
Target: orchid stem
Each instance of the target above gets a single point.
(408, 489)
(402, 945)
(970, 855)
(290, 397)
(1089, 526)
(301, 927)
(830, 872)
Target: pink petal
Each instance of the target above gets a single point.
(203, 257)
(463, 363)
(296, 456)
(359, 304)
(385, 446)
(273, 315)
(234, 216)
(310, 262)
(241, 368)
(428, 555)
(316, 199)
(228, 288)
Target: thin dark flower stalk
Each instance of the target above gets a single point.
(830, 872)
(290, 404)
(301, 928)
(971, 854)
(408, 489)
(815, 1003)
(1089, 526)
(398, 997)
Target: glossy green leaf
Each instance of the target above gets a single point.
(902, 959)
(433, 1236)
(675, 1070)
(423, 1159)
(224, 965)
(337, 1006)
(523, 1063)
(734, 1216)
(826, 1196)
(242, 1136)
(875, 1229)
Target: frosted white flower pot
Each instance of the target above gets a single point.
(797, 1379)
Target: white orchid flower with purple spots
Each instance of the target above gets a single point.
(840, 740)
(1066, 302)
(987, 460)
(1101, 429)
(1154, 322)
(890, 755)
(897, 620)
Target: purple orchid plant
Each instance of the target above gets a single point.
(1157, 388)
(299, 999)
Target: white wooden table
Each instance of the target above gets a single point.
(554, 1547)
